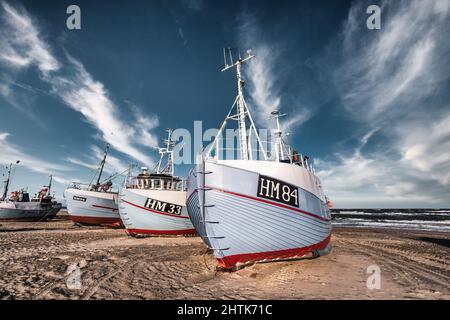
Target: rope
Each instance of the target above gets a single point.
(115, 175)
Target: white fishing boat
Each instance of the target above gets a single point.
(18, 206)
(94, 204)
(256, 206)
(155, 202)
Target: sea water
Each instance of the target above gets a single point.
(409, 219)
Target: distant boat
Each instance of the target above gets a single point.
(258, 207)
(18, 206)
(155, 202)
(93, 204)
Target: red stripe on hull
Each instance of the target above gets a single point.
(230, 261)
(272, 203)
(103, 207)
(162, 232)
(157, 212)
(113, 222)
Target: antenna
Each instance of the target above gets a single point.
(225, 59)
(276, 115)
(232, 62)
(278, 134)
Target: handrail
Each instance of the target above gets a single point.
(150, 183)
(302, 163)
(86, 187)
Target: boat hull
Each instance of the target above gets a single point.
(29, 211)
(92, 207)
(155, 212)
(241, 226)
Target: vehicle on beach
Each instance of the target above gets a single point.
(94, 204)
(18, 206)
(154, 202)
(260, 206)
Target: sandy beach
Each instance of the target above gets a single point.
(35, 259)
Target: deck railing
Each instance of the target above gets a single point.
(156, 184)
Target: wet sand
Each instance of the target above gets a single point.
(35, 257)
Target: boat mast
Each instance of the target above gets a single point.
(50, 185)
(169, 168)
(102, 165)
(5, 191)
(241, 112)
(242, 109)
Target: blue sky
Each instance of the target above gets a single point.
(370, 106)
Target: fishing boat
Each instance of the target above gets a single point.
(154, 202)
(94, 204)
(256, 206)
(18, 206)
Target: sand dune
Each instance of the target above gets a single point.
(35, 259)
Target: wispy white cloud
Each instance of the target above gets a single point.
(64, 181)
(182, 36)
(113, 164)
(144, 123)
(20, 99)
(392, 81)
(397, 66)
(377, 180)
(21, 42)
(82, 163)
(296, 119)
(89, 97)
(10, 153)
(194, 5)
(262, 90)
(265, 82)
(22, 46)
(426, 148)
